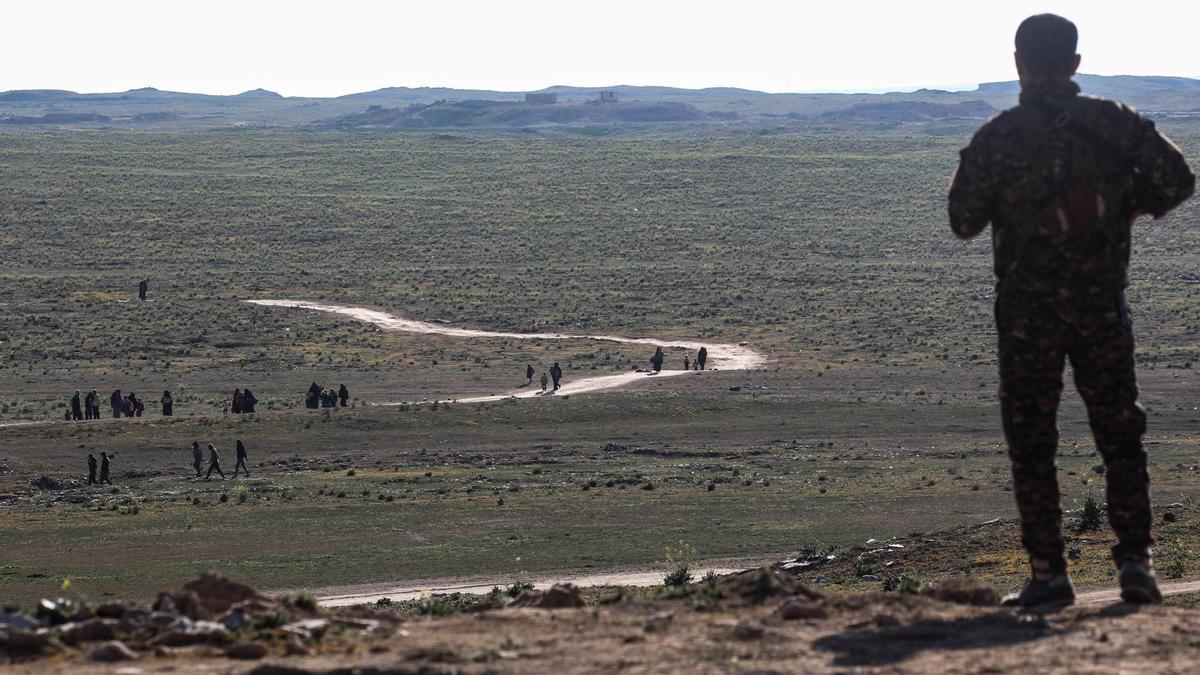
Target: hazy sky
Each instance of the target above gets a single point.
(336, 47)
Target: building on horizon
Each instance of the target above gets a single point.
(542, 98)
(607, 96)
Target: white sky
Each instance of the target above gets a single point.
(305, 48)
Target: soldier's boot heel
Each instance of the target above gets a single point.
(1056, 592)
(1138, 584)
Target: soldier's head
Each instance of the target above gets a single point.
(1046, 46)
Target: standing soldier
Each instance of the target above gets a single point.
(76, 407)
(143, 286)
(241, 459)
(87, 406)
(344, 395)
(701, 357)
(214, 462)
(1061, 178)
(197, 458)
(91, 469)
(529, 375)
(556, 375)
(168, 403)
(104, 467)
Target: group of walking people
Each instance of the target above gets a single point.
(659, 358)
(105, 464)
(553, 375)
(87, 407)
(326, 398)
(214, 460)
(243, 402)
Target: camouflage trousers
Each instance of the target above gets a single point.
(1037, 334)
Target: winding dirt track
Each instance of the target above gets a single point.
(720, 356)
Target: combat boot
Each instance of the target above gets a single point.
(1052, 593)
(1138, 584)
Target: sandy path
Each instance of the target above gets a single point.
(342, 596)
(720, 356)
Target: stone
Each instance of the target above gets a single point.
(659, 623)
(55, 612)
(91, 630)
(869, 577)
(560, 596)
(110, 610)
(309, 629)
(217, 594)
(112, 652)
(133, 619)
(795, 608)
(749, 629)
(187, 632)
(16, 622)
(186, 603)
(25, 641)
(247, 651)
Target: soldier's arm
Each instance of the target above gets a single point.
(1165, 179)
(970, 194)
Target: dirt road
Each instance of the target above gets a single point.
(720, 356)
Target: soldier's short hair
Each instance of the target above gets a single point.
(1047, 44)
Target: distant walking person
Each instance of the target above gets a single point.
(657, 360)
(529, 375)
(91, 469)
(344, 395)
(238, 396)
(76, 407)
(248, 401)
(702, 357)
(241, 460)
(545, 381)
(687, 365)
(556, 375)
(168, 404)
(214, 462)
(104, 468)
(117, 402)
(197, 458)
(143, 286)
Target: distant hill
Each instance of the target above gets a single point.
(487, 113)
(393, 107)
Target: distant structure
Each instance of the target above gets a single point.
(606, 97)
(541, 99)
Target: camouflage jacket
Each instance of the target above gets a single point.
(1061, 178)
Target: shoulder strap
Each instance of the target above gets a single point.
(1062, 118)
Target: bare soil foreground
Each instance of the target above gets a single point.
(757, 621)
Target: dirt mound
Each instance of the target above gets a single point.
(758, 620)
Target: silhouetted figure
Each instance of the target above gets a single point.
(168, 404)
(91, 469)
(88, 400)
(135, 406)
(197, 458)
(127, 406)
(687, 365)
(702, 357)
(657, 360)
(545, 381)
(344, 395)
(104, 467)
(241, 459)
(556, 375)
(248, 401)
(214, 462)
(529, 375)
(238, 397)
(143, 286)
(117, 402)
(95, 407)
(313, 400)
(76, 407)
